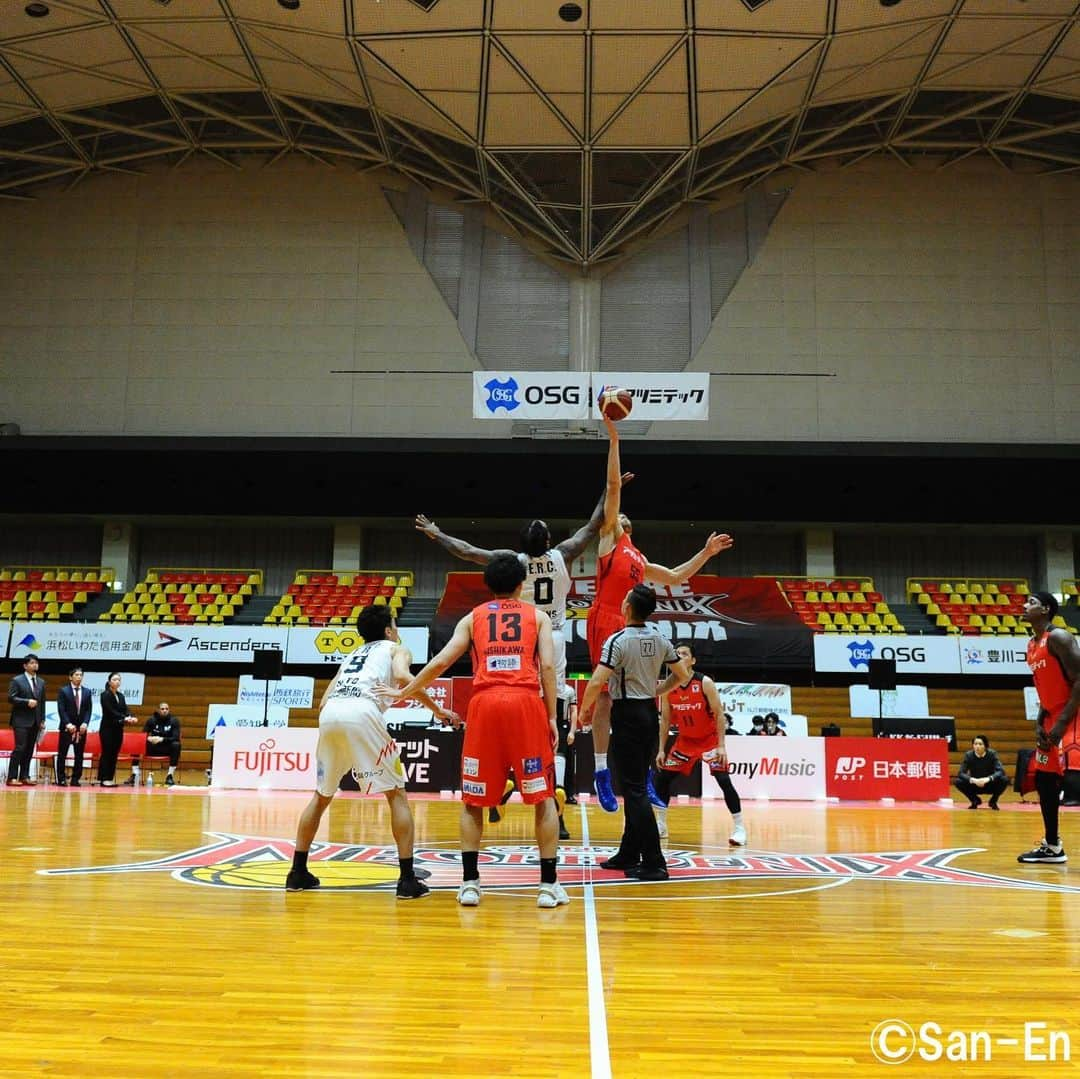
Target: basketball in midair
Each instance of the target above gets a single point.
(615, 404)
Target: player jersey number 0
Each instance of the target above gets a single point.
(547, 584)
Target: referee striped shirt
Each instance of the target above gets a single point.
(636, 654)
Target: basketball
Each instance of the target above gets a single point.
(615, 404)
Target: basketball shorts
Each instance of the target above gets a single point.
(506, 730)
(353, 737)
(1053, 759)
(558, 639)
(602, 623)
(684, 754)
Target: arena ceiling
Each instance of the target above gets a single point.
(585, 126)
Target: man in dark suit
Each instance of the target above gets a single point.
(26, 694)
(74, 705)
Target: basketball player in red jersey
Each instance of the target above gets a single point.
(620, 566)
(509, 724)
(1054, 659)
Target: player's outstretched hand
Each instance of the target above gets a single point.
(612, 430)
(718, 542)
(428, 527)
(625, 478)
(386, 693)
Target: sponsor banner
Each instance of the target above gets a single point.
(431, 759)
(733, 621)
(744, 700)
(993, 655)
(222, 716)
(309, 645)
(5, 637)
(662, 396)
(1032, 707)
(414, 713)
(908, 769)
(80, 641)
(913, 655)
(531, 395)
(943, 727)
(867, 703)
(779, 768)
(211, 644)
(293, 691)
(131, 685)
(266, 759)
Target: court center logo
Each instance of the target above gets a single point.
(501, 395)
(259, 863)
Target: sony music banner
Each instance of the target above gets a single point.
(781, 768)
(530, 395)
(662, 396)
(309, 645)
(212, 644)
(913, 655)
(82, 641)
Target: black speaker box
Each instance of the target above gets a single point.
(266, 664)
(883, 674)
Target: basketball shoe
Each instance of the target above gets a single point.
(604, 794)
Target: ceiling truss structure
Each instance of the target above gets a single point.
(584, 136)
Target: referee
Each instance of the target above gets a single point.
(630, 664)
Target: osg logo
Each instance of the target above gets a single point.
(848, 767)
(340, 641)
(863, 651)
(505, 394)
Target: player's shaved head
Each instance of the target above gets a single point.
(535, 538)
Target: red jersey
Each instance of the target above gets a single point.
(1053, 687)
(505, 645)
(617, 572)
(690, 711)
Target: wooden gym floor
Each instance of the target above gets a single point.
(174, 950)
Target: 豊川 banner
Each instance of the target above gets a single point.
(570, 395)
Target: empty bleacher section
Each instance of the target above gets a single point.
(186, 596)
(974, 607)
(840, 605)
(326, 598)
(49, 593)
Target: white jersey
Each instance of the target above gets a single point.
(547, 584)
(369, 666)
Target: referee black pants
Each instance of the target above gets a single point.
(634, 742)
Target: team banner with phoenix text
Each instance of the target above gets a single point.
(81, 641)
(569, 395)
(733, 621)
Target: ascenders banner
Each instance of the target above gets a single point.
(569, 395)
(212, 644)
(733, 621)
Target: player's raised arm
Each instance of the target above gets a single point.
(459, 548)
(610, 530)
(658, 574)
(572, 547)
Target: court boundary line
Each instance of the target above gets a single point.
(599, 1049)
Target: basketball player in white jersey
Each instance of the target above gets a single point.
(353, 736)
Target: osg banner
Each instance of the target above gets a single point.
(569, 395)
(310, 645)
(907, 769)
(81, 641)
(913, 655)
(277, 759)
(212, 644)
(780, 768)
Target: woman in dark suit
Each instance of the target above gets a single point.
(114, 716)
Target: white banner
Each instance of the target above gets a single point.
(293, 691)
(212, 644)
(5, 637)
(78, 641)
(994, 655)
(131, 685)
(662, 396)
(277, 759)
(1032, 706)
(791, 769)
(530, 395)
(309, 645)
(914, 655)
(909, 702)
(223, 716)
(744, 700)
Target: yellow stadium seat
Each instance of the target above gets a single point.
(63, 575)
(77, 575)
(873, 620)
(19, 575)
(379, 601)
(813, 597)
(105, 616)
(389, 582)
(824, 619)
(406, 579)
(49, 575)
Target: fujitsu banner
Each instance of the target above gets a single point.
(531, 395)
(80, 641)
(914, 655)
(570, 395)
(310, 645)
(661, 396)
(278, 759)
(994, 655)
(212, 644)
(779, 768)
